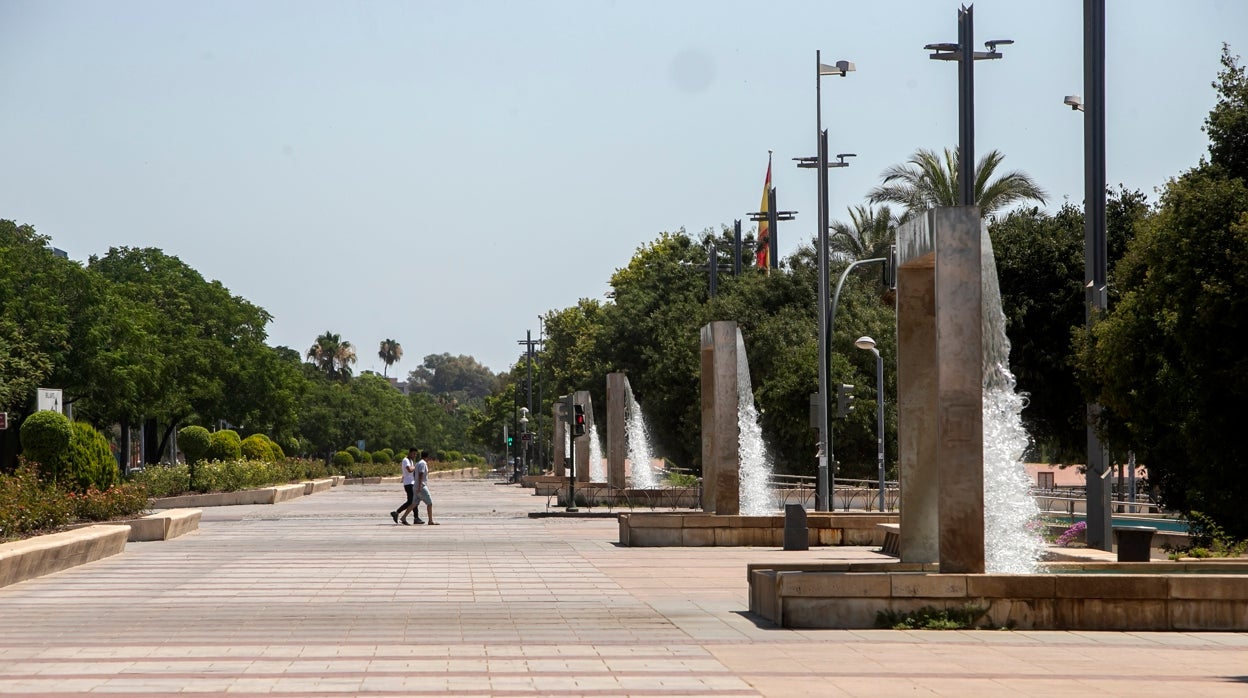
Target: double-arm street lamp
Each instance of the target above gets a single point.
(965, 54)
(820, 163)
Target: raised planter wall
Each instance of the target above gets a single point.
(1087, 596)
(658, 529)
(35, 557)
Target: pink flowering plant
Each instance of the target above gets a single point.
(1072, 534)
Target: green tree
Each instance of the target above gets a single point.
(928, 180)
(1227, 123)
(869, 234)
(1164, 363)
(460, 376)
(333, 355)
(1040, 265)
(390, 352)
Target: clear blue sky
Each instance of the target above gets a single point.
(443, 173)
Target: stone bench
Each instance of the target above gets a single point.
(35, 557)
(163, 525)
(892, 539)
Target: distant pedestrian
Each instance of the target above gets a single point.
(422, 490)
(409, 487)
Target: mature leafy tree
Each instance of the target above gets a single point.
(1166, 362)
(390, 352)
(460, 376)
(1040, 265)
(928, 180)
(204, 332)
(1227, 124)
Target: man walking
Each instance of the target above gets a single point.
(409, 486)
(422, 490)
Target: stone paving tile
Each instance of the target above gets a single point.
(324, 596)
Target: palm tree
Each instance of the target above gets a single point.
(333, 355)
(389, 352)
(868, 234)
(926, 180)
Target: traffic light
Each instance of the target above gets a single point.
(844, 400)
(578, 420)
(510, 440)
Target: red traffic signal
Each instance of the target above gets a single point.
(578, 420)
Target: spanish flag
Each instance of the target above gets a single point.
(763, 255)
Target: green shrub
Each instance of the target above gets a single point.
(258, 447)
(385, 455)
(366, 457)
(194, 442)
(124, 500)
(343, 459)
(278, 454)
(90, 462)
(354, 451)
(931, 618)
(225, 445)
(163, 480)
(45, 439)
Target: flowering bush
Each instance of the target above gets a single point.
(1072, 534)
(30, 506)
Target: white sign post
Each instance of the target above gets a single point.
(50, 399)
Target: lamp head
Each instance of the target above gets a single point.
(865, 343)
(1075, 102)
(841, 68)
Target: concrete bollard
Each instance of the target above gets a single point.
(796, 531)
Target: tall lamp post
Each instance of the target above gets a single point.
(1095, 252)
(965, 54)
(524, 439)
(868, 344)
(820, 162)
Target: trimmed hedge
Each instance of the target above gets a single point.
(194, 442)
(225, 445)
(45, 439)
(91, 462)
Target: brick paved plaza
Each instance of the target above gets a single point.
(326, 596)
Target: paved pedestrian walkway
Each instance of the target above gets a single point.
(326, 596)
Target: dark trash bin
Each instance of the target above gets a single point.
(796, 532)
(1134, 543)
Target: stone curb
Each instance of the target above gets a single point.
(35, 557)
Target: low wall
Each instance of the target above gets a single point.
(654, 529)
(1083, 596)
(35, 557)
(264, 495)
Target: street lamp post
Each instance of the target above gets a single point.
(868, 344)
(820, 161)
(524, 439)
(965, 54)
(1095, 252)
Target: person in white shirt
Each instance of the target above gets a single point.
(409, 486)
(422, 490)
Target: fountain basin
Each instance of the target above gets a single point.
(1180, 596)
(663, 529)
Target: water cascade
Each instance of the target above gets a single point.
(755, 467)
(597, 467)
(643, 476)
(1011, 545)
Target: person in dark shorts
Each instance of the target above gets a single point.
(409, 486)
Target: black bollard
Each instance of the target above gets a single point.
(796, 532)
